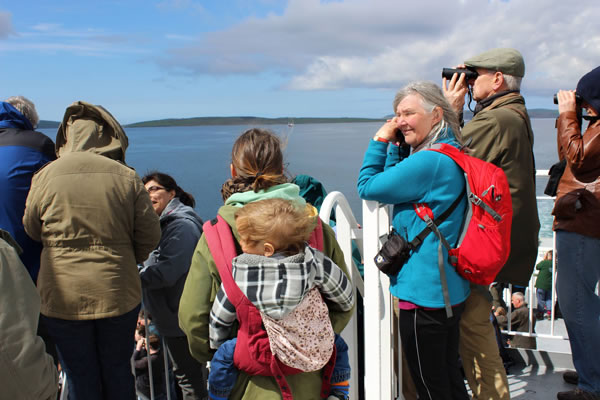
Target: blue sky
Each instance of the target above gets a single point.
(147, 60)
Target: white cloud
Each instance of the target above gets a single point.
(52, 38)
(180, 5)
(384, 43)
(185, 38)
(46, 27)
(6, 28)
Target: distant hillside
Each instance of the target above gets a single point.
(48, 124)
(243, 121)
(533, 113)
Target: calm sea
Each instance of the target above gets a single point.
(198, 157)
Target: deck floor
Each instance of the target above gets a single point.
(540, 376)
(536, 383)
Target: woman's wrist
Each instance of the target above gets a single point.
(380, 139)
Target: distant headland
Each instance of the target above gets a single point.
(244, 121)
(200, 121)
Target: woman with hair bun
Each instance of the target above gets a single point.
(256, 174)
(164, 273)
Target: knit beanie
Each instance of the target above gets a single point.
(589, 88)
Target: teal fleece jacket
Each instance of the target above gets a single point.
(432, 178)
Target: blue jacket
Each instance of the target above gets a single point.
(166, 269)
(22, 152)
(425, 176)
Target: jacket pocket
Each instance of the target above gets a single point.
(575, 203)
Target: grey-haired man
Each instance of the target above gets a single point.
(500, 132)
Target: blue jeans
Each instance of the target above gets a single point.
(95, 355)
(544, 301)
(578, 275)
(223, 374)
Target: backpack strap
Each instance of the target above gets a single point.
(423, 209)
(425, 213)
(222, 248)
(316, 236)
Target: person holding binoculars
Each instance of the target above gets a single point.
(577, 225)
(499, 132)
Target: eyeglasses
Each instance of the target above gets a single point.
(153, 189)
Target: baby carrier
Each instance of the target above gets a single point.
(253, 353)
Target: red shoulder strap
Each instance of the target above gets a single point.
(222, 248)
(316, 237)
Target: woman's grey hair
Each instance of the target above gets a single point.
(431, 97)
(512, 82)
(25, 107)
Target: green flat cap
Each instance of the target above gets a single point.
(508, 61)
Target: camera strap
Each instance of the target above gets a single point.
(425, 213)
(423, 209)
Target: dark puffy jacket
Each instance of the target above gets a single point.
(22, 152)
(166, 269)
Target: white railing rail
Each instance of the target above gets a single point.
(383, 367)
(347, 232)
(531, 292)
(383, 377)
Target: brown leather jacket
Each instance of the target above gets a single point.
(577, 206)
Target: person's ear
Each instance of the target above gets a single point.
(498, 81)
(438, 114)
(232, 170)
(269, 249)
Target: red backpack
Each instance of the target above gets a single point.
(252, 351)
(484, 243)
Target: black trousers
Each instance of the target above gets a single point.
(191, 375)
(430, 343)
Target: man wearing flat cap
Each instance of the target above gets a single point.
(500, 132)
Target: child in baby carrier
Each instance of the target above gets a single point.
(286, 280)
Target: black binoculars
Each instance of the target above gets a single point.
(578, 99)
(469, 73)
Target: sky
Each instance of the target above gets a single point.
(146, 60)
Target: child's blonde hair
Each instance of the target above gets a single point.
(277, 221)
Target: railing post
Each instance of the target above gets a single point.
(378, 315)
(346, 231)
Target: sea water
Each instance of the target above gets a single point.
(198, 157)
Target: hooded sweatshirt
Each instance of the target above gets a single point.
(164, 272)
(94, 218)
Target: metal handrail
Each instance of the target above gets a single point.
(348, 231)
(531, 286)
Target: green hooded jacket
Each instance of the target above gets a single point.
(199, 293)
(501, 134)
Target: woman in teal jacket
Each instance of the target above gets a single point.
(392, 176)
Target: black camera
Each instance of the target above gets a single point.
(578, 99)
(393, 254)
(469, 73)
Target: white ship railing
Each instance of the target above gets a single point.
(530, 294)
(347, 232)
(382, 351)
(383, 368)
